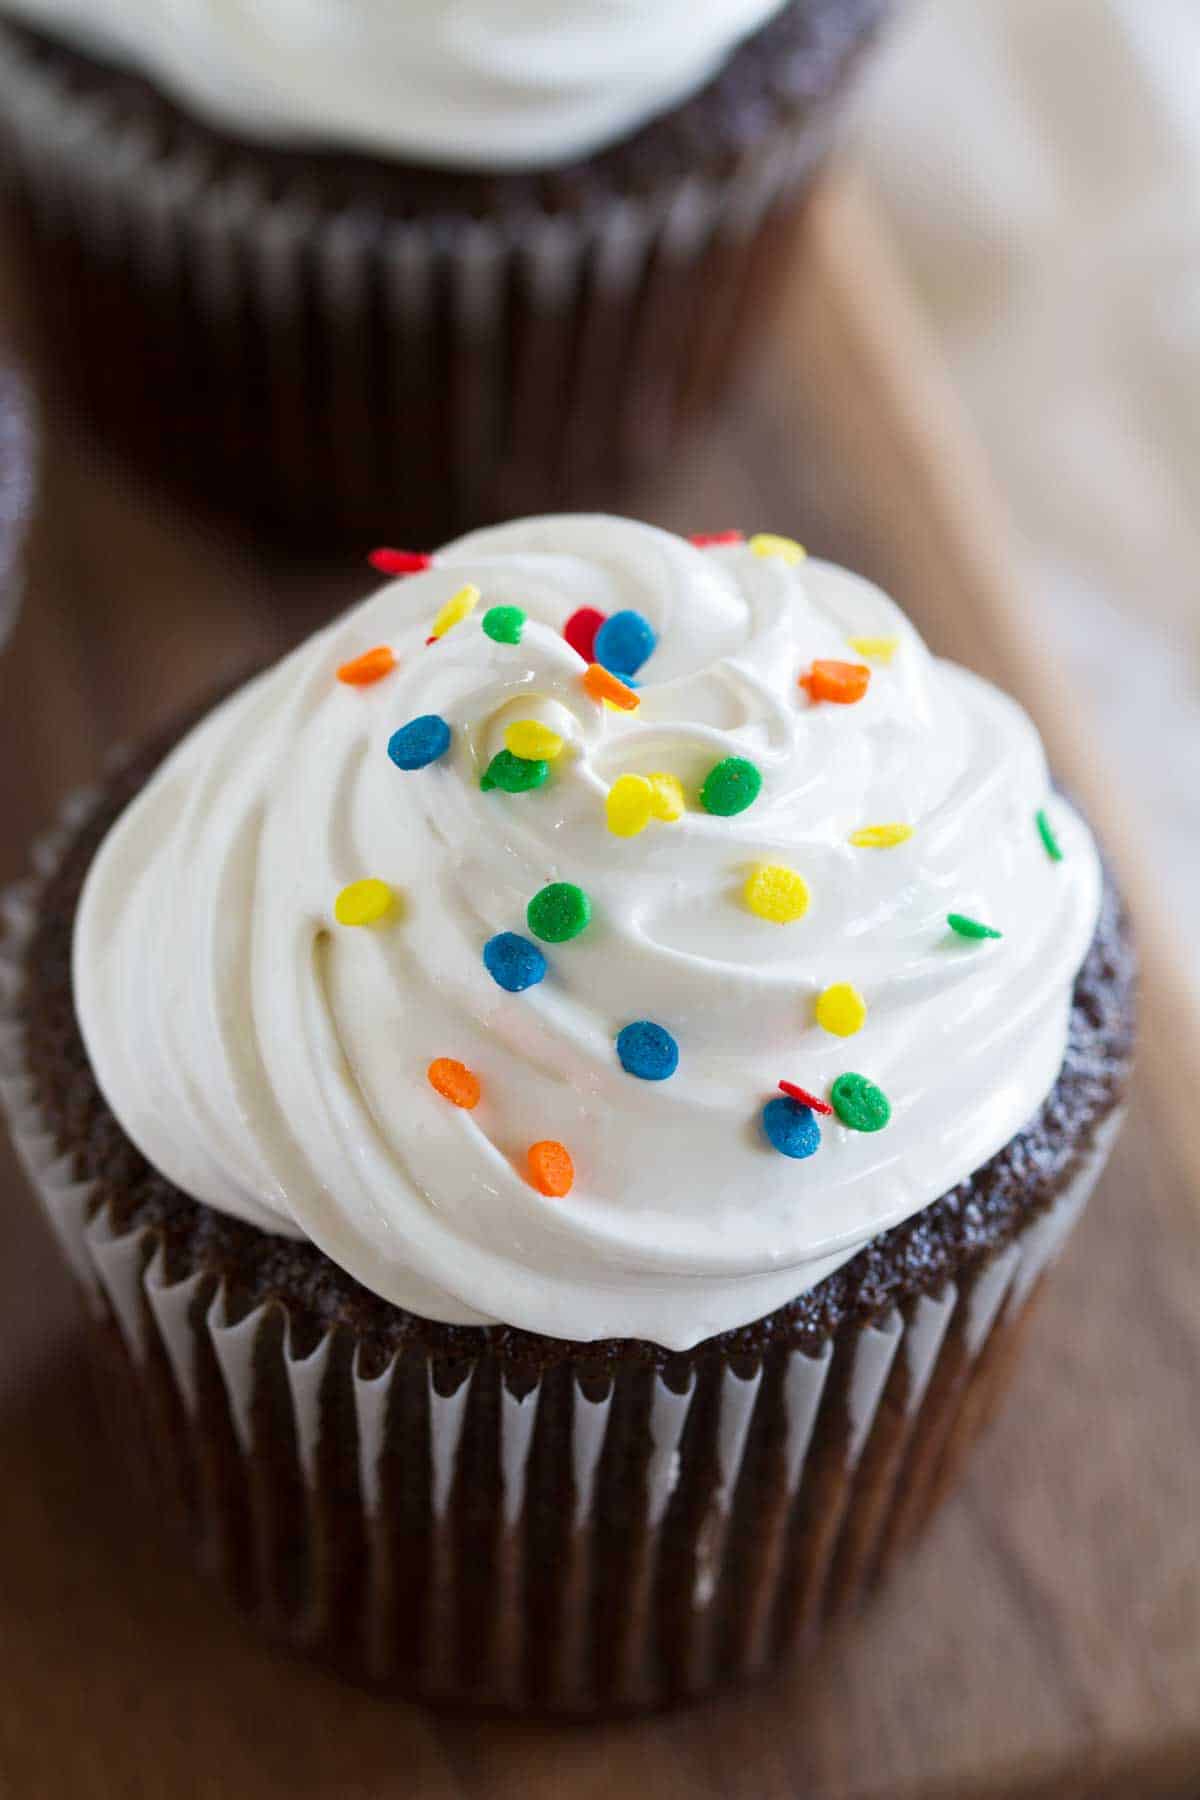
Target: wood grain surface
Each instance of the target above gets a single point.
(1044, 1640)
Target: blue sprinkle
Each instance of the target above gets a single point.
(623, 643)
(647, 1051)
(420, 742)
(513, 962)
(792, 1128)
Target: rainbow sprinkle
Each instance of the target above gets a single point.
(791, 1128)
(1047, 835)
(730, 787)
(454, 1082)
(971, 928)
(551, 1170)
(647, 1050)
(777, 893)
(767, 545)
(623, 643)
(513, 962)
(504, 624)
(371, 666)
(559, 912)
(460, 606)
(876, 649)
(666, 797)
(533, 740)
(840, 683)
(602, 684)
(580, 632)
(421, 742)
(364, 903)
(859, 1104)
(805, 1098)
(514, 774)
(841, 1010)
(400, 562)
(629, 806)
(880, 837)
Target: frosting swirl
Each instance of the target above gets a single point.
(272, 1062)
(487, 84)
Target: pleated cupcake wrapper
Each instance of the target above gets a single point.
(570, 1539)
(424, 376)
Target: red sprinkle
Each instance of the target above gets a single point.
(804, 1097)
(580, 631)
(428, 641)
(708, 540)
(400, 562)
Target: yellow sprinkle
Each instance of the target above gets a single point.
(880, 650)
(880, 837)
(776, 893)
(533, 741)
(666, 797)
(765, 543)
(459, 607)
(630, 805)
(363, 902)
(841, 1009)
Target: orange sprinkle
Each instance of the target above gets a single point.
(371, 666)
(454, 1081)
(602, 685)
(550, 1169)
(842, 682)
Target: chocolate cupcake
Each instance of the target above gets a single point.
(410, 267)
(560, 1094)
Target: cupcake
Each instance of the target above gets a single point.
(383, 270)
(560, 1094)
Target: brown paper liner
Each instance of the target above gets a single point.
(576, 1540)
(345, 374)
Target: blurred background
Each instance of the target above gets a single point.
(1038, 163)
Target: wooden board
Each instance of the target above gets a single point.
(1045, 1638)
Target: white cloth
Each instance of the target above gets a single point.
(1039, 161)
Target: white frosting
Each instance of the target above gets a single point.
(502, 84)
(273, 1063)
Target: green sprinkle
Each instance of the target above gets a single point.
(514, 774)
(1046, 829)
(859, 1104)
(730, 787)
(559, 912)
(504, 624)
(971, 928)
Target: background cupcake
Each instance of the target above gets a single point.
(561, 1180)
(385, 271)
